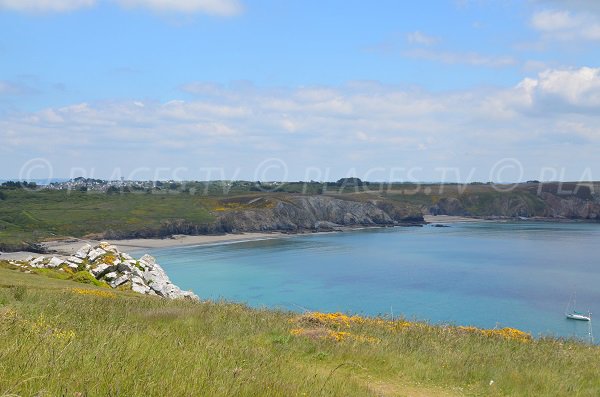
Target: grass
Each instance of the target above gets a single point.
(33, 216)
(64, 338)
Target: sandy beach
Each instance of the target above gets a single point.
(449, 219)
(70, 246)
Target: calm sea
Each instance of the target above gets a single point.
(518, 275)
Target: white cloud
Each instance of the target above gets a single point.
(565, 25)
(570, 90)
(421, 38)
(468, 58)
(212, 7)
(45, 5)
(360, 124)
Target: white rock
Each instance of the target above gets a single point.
(37, 261)
(73, 266)
(119, 281)
(74, 259)
(55, 262)
(108, 247)
(124, 268)
(95, 254)
(140, 288)
(83, 251)
(99, 270)
(148, 260)
(111, 276)
(137, 272)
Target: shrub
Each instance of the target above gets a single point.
(52, 273)
(86, 278)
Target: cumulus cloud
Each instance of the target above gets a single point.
(359, 124)
(575, 90)
(212, 7)
(565, 25)
(45, 5)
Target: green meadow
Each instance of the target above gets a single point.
(62, 338)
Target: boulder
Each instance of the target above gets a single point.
(95, 254)
(55, 262)
(111, 276)
(119, 281)
(101, 270)
(83, 251)
(37, 261)
(75, 259)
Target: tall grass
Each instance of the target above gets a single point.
(63, 338)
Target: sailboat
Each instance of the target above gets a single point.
(575, 315)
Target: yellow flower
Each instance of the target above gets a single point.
(93, 292)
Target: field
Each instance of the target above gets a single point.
(64, 338)
(27, 216)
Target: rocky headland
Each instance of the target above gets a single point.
(104, 265)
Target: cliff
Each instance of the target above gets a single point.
(304, 213)
(549, 203)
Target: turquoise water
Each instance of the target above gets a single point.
(484, 274)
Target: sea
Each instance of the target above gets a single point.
(485, 274)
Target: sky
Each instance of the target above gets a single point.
(445, 90)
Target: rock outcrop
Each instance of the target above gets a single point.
(302, 213)
(520, 203)
(105, 263)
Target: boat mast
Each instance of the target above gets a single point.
(590, 332)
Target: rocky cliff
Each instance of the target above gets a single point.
(303, 213)
(522, 203)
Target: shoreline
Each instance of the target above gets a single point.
(68, 246)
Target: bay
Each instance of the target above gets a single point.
(486, 274)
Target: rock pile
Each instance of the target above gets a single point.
(117, 269)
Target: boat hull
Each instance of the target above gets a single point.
(579, 317)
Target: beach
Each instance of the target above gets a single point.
(70, 246)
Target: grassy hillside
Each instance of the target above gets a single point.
(64, 338)
(28, 216)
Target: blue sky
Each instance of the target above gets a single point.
(198, 89)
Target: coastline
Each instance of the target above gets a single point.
(68, 247)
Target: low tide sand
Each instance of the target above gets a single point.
(69, 247)
(449, 219)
